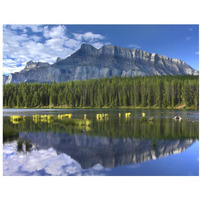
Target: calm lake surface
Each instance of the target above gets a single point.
(113, 147)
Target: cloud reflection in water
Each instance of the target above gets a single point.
(43, 162)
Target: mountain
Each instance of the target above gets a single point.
(108, 61)
(5, 78)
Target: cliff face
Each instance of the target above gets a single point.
(5, 78)
(108, 61)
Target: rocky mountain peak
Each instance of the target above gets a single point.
(87, 47)
(108, 61)
(58, 59)
(31, 65)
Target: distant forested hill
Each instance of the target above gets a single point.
(147, 91)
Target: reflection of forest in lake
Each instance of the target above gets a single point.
(115, 128)
(110, 142)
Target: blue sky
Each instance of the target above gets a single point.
(22, 43)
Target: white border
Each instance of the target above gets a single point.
(97, 12)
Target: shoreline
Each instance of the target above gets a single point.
(121, 107)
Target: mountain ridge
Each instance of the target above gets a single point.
(108, 61)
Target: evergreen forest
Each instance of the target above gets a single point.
(137, 92)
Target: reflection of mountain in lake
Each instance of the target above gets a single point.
(109, 152)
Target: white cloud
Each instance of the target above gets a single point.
(22, 43)
(91, 38)
(17, 27)
(9, 70)
(197, 53)
(88, 36)
(99, 44)
(72, 43)
(134, 46)
(10, 66)
(24, 28)
(54, 32)
(55, 43)
(35, 28)
(35, 38)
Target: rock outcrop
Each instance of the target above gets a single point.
(34, 65)
(5, 78)
(108, 61)
(58, 59)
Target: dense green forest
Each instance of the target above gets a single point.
(148, 91)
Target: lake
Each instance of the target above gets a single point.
(115, 146)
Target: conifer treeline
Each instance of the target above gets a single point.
(148, 91)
